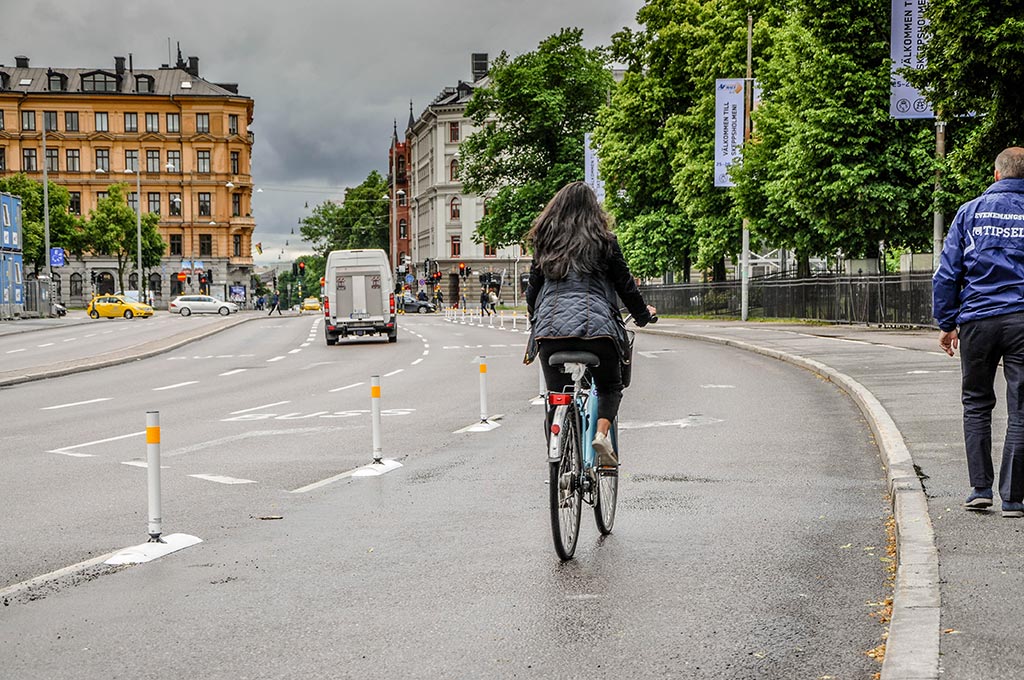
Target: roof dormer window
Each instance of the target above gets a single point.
(5, 80)
(144, 84)
(99, 82)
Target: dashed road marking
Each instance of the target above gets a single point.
(295, 351)
(14, 351)
(46, 344)
(75, 403)
(175, 385)
(416, 362)
(346, 387)
(67, 450)
(388, 375)
(221, 479)
(233, 372)
(275, 359)
(257, 408)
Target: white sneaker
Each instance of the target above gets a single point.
(605, 453)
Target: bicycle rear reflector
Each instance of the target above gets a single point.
(555, 428)
(559, 399)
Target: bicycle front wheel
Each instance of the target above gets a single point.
(564, 487)
(607, 491)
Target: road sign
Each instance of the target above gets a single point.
(409, 278)
(423, 282)
(181, 276)
(57, 257)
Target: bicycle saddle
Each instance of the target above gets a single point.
(574, 357)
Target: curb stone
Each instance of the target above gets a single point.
(912, 647)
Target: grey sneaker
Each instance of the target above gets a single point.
(605, 453)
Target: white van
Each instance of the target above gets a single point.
(359, 296)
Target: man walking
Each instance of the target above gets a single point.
(978, 302)
(275, 303)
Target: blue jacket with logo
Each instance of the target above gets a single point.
(981, 272)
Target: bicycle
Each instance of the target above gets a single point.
(574, 476)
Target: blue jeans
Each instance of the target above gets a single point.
(983, 344)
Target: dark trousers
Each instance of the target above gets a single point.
(983, 344)
(607, 376)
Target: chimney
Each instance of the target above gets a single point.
(21, 61)
(119, 65)
(193, 66)
(479, 64)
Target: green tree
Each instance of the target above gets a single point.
(111, 230)
(65, 228)
(974, 77)
(360, 221)
(827, 169)
(531, 117)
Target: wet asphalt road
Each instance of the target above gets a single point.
(749, 541)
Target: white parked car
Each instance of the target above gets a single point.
(201, 304)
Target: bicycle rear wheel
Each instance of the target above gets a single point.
(607, 492)
(564, 487)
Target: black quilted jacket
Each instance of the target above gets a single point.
(584, 305)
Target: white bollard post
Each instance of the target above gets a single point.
(153, 475)
(513, 319)
(490, 320)
(375, 411)
(502, 322)
(483, 389)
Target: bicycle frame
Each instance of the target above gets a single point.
(584, 397)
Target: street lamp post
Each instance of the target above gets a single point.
(46, 225)
(138, 227)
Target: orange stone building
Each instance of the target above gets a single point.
(189, 136)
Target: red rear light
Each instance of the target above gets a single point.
(555, 428)
(327, 306)
(559, 399)
(391, 303)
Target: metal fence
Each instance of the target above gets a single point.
(903, 300)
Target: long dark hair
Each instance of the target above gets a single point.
(571, 233)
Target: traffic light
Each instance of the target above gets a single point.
(302, 269)
(469, 271)
(321, 282)
(295, 269)
(462, 269)
(209, 276)
(92, 276)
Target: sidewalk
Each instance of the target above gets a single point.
(977, 588)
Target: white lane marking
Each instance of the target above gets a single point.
(938, 354)
(295, 351)
(305, 344)
(175, 385)
(388, 375)
(90, 335)
(416, 362)
(426, 352)
(497, 345)
(140, 463)
(371, 470)
(221, 479)
(75, 403)
(70, 339)
(275, 359)
(66, 450)
(472, 346)
(720, 387)
(237, 370)
(257, 408)
(45, 344)
(12, 351)
(16, 588)
(902, 349)
(452, 347)
(426, 345)
(346, 387)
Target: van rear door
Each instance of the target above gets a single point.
(359, 294)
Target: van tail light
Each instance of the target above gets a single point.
(327, 306)
(391, 303)
(559, 398)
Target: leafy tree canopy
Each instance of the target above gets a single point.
(531, 117)
(112, 230)
(360, 221)
(65, 228)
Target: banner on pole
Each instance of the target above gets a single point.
(907, 39)
(590, 175)
(729, 110)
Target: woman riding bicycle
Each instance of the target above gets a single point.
(577, 270)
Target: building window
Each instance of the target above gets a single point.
(52, 165)
(203, 161)
(401, 197)
(99, 82)
(453, 132)
(152, 122)
(401, 166)
(3, 158)
(455, 208)
(50, 120)
(154, 202)
(102, 122)
(73, 158)
(236, 245)
(131, 159)
(173, 122)
(456, 246)
(232, 124)
(1, 120)
(28, 120)
(101, 196)
(174, 204)
(152, 160)
(234, 162)
(202, 122)
(143, 84)
(71, 121)
(75, 205)
(56, 82)
(453, 170)
(175, 244)
(174, 160)
(206, 245)
(133, 201)
(204, 204)
(131, 122)
(76, 285)
(103, 160)
(403, 229)
(489, 250)
(28, 160)
(236, 205)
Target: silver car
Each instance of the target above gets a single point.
(201, 304)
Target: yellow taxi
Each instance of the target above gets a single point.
(111, 306)
(311, 304)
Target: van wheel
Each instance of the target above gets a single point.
(393, 337)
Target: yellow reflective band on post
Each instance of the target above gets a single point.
(152, 435)
(483, 368)
(375, 392)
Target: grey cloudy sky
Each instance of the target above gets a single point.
(328, 77)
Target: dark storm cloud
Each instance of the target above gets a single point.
(328, 77)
